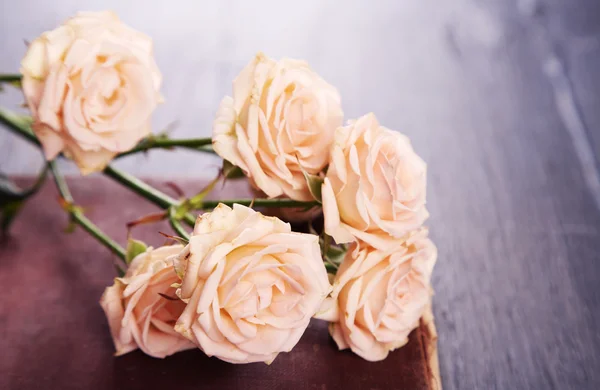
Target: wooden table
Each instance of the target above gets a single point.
(499, 97)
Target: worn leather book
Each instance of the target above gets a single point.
(55, 335)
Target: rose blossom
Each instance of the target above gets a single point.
(375, 185)
(91, 85)
(279, 123)
(251, 285)
(142, 307)
(381, 295)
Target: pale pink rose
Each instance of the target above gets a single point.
(374, 190)
(91, 86)
(280, 121)
(251, 285)
(142, 307)
(381, 295)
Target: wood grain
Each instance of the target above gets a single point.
(499, 97)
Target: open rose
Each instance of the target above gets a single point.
(142, 306)
(279, 123)
(375, 185)
(381, 295)
(251, 285)
(91, 85)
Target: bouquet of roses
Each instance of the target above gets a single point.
(242, 286)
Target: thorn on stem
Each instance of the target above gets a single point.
(180, 240)
(150, 218)
(176, 189)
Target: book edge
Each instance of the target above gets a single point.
(428, 337)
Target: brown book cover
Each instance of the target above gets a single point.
(55, 335)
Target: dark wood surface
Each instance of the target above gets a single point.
(55, 335)
(499, 97)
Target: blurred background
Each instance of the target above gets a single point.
(434, 70)
(500, 97)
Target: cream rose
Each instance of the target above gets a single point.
(142, 307)
(381, 295)
(251, 285)
(375, 185)
(91, 85)
(279, 123)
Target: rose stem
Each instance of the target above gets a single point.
(176, 225)
(199, 144)
(9, 78)
(20, 125)
(152, 194)
(78, 217)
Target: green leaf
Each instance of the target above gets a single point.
(231, 171)
(331, 269)
(335, 254)
(332, 254)
(314, 185)
(195, 202)
(314, 182)
(134, 248)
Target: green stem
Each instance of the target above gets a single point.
(18, 124)
(190, 143)
(153, 195)
(21, 125)
(206, 149)
(176, 225)
(78, 217)
(9, 78)
(209, 204)
(139, 187)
